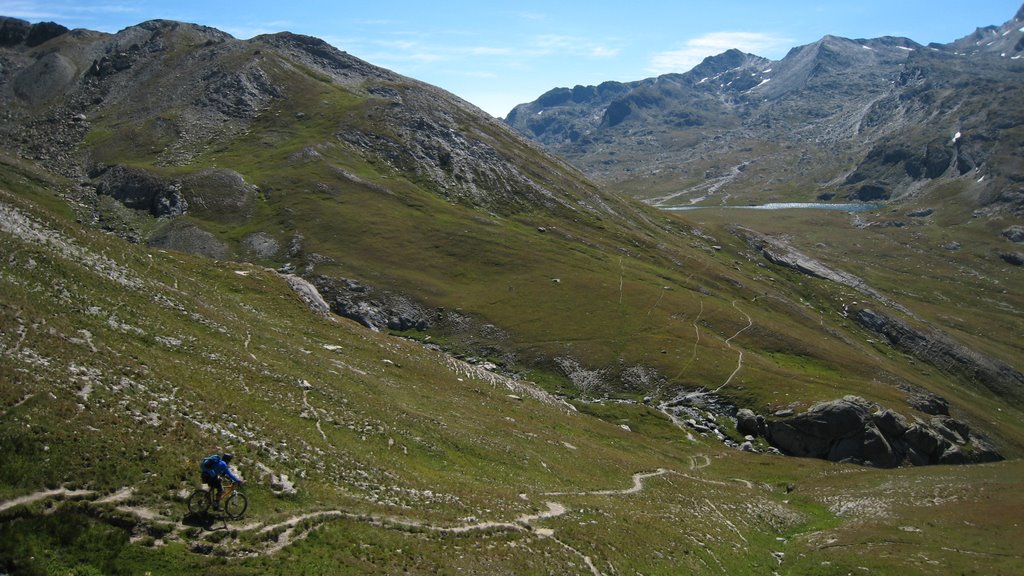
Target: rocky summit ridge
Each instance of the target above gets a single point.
(862, 119)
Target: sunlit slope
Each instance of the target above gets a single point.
(284, 151)
(573, 273)
(364, 453)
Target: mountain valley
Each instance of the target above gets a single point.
(436, 347)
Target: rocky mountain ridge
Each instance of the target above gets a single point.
(863, 119)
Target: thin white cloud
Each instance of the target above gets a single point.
(697, 49)
(604, 52)
(32, 10)
(403, 48)
(548, 44)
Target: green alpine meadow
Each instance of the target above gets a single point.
(436, 342)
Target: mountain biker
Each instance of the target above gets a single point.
(212, 468)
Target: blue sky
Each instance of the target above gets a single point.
(498, 54)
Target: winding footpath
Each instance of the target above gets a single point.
(275, 537)
(728, 342)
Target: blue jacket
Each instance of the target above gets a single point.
(221, 468)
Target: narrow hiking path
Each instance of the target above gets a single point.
(638, 485)
(261, 539)
(728, 342)
(61, 493)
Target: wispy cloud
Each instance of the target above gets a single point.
(419, 48)
(546, 44)
(32, 10)
(696, 49)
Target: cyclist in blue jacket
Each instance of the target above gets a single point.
(212, 468)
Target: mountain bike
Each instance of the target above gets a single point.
(234, 502)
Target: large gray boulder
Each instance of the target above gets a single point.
(1014, 233)
(747, 423)
(141, 190)
(924, 445)
(854, 430)
(828, 430)
(877, 450)
(378, 311)
(890, 423)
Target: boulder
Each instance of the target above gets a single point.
(1014, 258)
(929, 403)
(219, 194)
(747, 423)
(141, 190)
(952, 455)
(951, 429)
(923, 444)
(849, 449)
(378, 312)
(877, 451)
(847, 431)
(1014, 233)
(890, 423)
(818, 432)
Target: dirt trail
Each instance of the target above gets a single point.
(44, 494)
(271, 538)
(695, 466)
(728, 342)
(309, 410)
(638, 485)
(677, 422)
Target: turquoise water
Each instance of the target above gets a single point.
(858, 207)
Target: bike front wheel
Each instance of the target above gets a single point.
(199, 502)
(236, 505)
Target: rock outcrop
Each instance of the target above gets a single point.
(854, 430)
(14, 31)
(1014, 234)
(377, 311)
(140, 190)
(781, 253)
(945, 354)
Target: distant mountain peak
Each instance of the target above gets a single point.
(728, 60)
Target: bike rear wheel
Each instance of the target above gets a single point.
(199, 502)
(236, 505)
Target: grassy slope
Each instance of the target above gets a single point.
(658, 294)
(126, 383)
(108, 386)
(969, 293)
